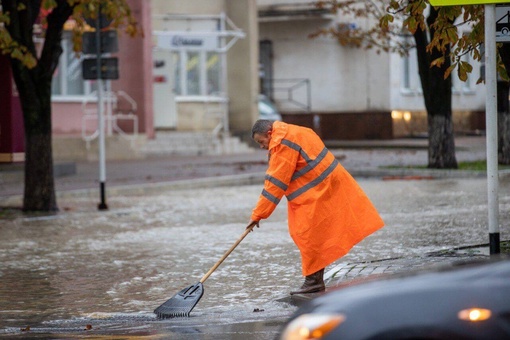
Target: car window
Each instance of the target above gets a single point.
(266, 108)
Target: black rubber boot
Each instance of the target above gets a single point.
(313, 283)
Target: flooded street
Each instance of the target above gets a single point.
(110, 269)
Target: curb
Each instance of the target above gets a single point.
(406, 173)
(345, 273)
(152, 188)
(258, 178)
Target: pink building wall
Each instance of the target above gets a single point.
(135, 78)
(12, 133)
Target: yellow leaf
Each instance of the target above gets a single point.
(462, 73)
(452, 34)
(449, 70)
(16, 54)
(437, 62)
(29, 61)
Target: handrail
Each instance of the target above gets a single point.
(112, 116)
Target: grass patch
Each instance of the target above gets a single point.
(9, 213)
(472, 166)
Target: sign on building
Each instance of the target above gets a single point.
(188, 41)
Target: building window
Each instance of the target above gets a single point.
(459, 86)
(213, 73)
(410, 82)
(406, 78)
(67, 79)
(410, 77)
(176, 63)
(197, 73)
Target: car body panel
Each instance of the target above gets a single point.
(424, 305)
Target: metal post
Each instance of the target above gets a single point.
(491, 118)
(224, 77)
(109, 108)
(308, 96)
(100, 117)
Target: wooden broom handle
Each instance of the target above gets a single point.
(249, 228)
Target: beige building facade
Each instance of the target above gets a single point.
(210, 48)
(200, 66)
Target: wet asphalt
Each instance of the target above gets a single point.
(84, 273)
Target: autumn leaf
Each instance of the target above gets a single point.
(503, 72)
(437, 62)
(385, 21)
(449, 70)
(463, 69)
(16, 54)
(411, 24)
(29, 60)
(455, 31)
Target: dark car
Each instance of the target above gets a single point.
(469, 301)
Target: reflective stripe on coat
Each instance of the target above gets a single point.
(328, 211)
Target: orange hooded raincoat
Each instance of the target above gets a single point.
(328, 212)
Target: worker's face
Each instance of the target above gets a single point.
(263, 139)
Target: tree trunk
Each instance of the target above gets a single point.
(35, 98)
(503, 123)
(39, 192)
(34, 88)
(504, 110)
(441, 152)
(437, 93)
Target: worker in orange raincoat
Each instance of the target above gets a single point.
(328, 212)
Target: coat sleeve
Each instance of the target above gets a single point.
(282, 165)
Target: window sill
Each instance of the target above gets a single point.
(73, 99)
(201, 99)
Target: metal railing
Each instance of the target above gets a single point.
(295, 92)
(113, 114)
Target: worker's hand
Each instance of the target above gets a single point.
(253, 224)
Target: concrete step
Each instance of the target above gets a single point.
(193, 143)
(74, 148)
(117, 147)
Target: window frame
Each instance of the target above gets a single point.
(181, 73)
(62, 72)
